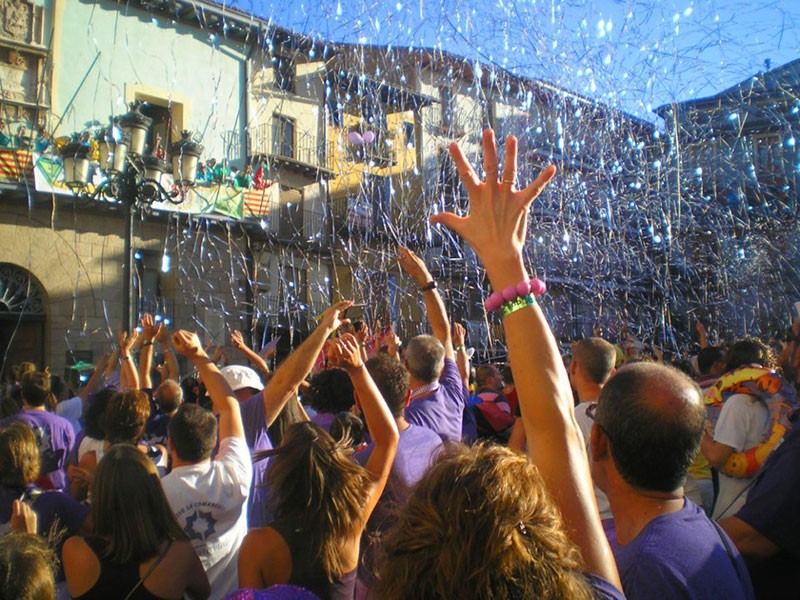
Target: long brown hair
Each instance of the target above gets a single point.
(480, 524)
(315, 483)
(129, 508)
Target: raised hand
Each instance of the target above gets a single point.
(23, 518)
(459, 335)
(187, 343)
(163, 335)
(150, 329)
(126, 341)
(333, 317)
(497, 222)
(237, 340)
(348, 352)
(414, 266)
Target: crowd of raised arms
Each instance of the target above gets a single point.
(366, 466)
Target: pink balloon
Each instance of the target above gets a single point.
(369, 137)
(355, 138)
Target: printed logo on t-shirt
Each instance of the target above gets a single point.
(50, 458)
(200, 525)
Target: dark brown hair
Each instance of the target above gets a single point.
(129, 508)
(316, 483)
(125, 417)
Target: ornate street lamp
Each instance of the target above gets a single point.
(133, 179)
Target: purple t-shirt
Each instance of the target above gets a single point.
(55, 438)
(255, 431)
(682, 555)
(416, 451)
(324, 420)
(442, 411)
(771, 509)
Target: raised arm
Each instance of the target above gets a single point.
(415, 267)
(256, 359)
(94, 380)
(460, 349)
(150, 331)
(381, 424)
(298, 365)
(224, 402)
(128, 377)
(496, 228)
(163, 338)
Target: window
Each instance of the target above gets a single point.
(294, 284)
(283, 70)
(159, 135)
(408, 131)
(448, 106)
(767, 156)
(283, 136)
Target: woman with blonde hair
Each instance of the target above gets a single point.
(321, 498)
(482, 523)
(137, 549)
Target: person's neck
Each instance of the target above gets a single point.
(179, 462)
(402, 424)
(27, 406)
(415, 384)
(588, 392)
(633, 508)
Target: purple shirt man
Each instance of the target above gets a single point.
(680, 554)
(442, 410)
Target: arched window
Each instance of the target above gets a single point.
(22, 318)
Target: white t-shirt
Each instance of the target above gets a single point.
(743, 423)
(90, 444)
(585, 423)
(209, 499)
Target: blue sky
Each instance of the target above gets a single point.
(634, 54)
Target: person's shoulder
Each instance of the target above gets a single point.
(418, 434)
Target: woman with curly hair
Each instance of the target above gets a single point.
(321, 498)
(137, 548)
(480, 524)
(483, 523)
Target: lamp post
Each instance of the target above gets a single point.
(133, 179)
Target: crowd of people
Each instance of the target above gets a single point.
(365, 466)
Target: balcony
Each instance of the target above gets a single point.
(293, 225)
(305, 156)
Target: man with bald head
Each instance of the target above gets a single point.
(647, 430)
(168, 398)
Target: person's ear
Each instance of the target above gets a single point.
(408, 398)
(598, 444)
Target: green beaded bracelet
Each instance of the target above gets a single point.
(517, 304)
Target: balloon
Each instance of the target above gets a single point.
(355, 138)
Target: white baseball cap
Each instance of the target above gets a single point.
(239, 376)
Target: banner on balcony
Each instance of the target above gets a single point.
(230, 201)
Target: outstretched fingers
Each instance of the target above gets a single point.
(451, 221)
(490, 164)
(530, 193)
(467, 174)
(510, 168)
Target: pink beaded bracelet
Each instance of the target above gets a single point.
(496, 300)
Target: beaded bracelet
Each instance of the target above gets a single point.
(517, 304)
(534, 287)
